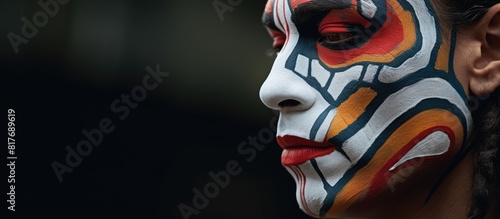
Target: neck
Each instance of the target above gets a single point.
(450, 200)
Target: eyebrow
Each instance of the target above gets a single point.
(307, 13)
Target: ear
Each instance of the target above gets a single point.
(485, 66)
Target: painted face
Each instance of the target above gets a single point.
(370, 106)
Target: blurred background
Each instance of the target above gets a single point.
(64, 78)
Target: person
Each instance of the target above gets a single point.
(388, 108)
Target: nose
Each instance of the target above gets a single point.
(284, 90)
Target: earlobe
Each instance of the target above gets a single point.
(485, 80)
(485, 72)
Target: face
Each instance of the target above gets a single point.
(368, 99)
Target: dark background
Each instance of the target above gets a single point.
(66, 77)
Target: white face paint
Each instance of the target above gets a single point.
(365, 91)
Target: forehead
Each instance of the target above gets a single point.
(297, 3)
(302, 10)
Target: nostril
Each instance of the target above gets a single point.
(288, 103)
(284, 90)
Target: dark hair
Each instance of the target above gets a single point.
(486, 134)
(464, 12)
(485, 147)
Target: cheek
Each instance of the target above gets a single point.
(424, 143)
(416, 132)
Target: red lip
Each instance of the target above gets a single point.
(298, 150)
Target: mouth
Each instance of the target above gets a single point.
(298, 150)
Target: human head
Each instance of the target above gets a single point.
(373, 97)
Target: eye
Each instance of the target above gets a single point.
(337, 38)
